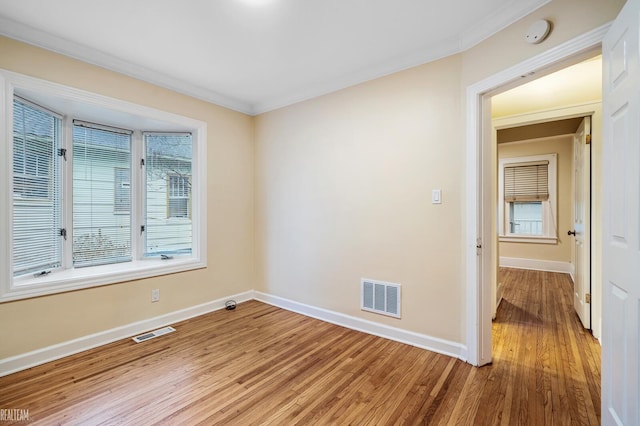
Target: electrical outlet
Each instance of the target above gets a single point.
(155, 295)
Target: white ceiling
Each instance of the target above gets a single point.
(577, 84)
(257, 55)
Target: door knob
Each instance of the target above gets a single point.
(571, 233)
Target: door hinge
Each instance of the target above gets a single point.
(588, 139)
(587, 298)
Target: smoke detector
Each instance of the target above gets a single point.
(538, 31)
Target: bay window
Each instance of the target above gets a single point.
(93, 198)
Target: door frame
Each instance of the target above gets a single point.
(480, 247)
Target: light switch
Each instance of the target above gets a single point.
(436, 196)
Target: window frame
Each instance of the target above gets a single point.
(549, 207)
(120, 114)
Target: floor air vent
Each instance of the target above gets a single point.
(380, 297)
(156, 333)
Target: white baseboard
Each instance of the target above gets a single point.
(423, 341)
(51, 353)
(537, 265)
(54, 352)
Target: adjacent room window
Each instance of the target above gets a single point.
(525, 217)
(527, 199)
(92, 198)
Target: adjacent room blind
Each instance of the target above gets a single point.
(168, 164)
(37, 244)
(526, 181)
(101, 195)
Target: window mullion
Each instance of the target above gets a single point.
(137, 194)
(67, 192)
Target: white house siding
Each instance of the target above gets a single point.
(100, 233)
(164, 233)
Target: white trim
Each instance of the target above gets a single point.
(531, 239)
(478, 321)
(73, 279)
(537, 265)
(546, 115)
(60, 350)
(6, 151)
(500, 20)
(419, 340)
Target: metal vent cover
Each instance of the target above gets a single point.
(380, 297)
(151, 334)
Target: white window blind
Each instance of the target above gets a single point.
(122, 190)
(101, 162)
(37, 244)
(168, 227)
(526, 182)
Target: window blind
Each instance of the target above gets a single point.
(37, 244)
(168, 163)
(101, 205)
(526, 182)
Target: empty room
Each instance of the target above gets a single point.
(294, 212)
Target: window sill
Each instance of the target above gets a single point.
(527, 239)
(82, 278)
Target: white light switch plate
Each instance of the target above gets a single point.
(436, 196)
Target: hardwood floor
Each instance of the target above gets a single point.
(262, 365)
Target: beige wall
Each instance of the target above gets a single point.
(36, 323)
(343, 182)
(563, 146)
(343, 187)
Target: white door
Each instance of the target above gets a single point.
(621, 218)
(581, 222)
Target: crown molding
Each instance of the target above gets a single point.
(38, 38)
(475, 35)
(499, 21)
(428, 54)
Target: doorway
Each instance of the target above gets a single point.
(547, 227)
(481, 228)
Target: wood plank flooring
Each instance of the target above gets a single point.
(262, 365)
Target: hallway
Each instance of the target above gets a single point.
(545, 364)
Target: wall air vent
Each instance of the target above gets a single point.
(380, 297)
(156, 333)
